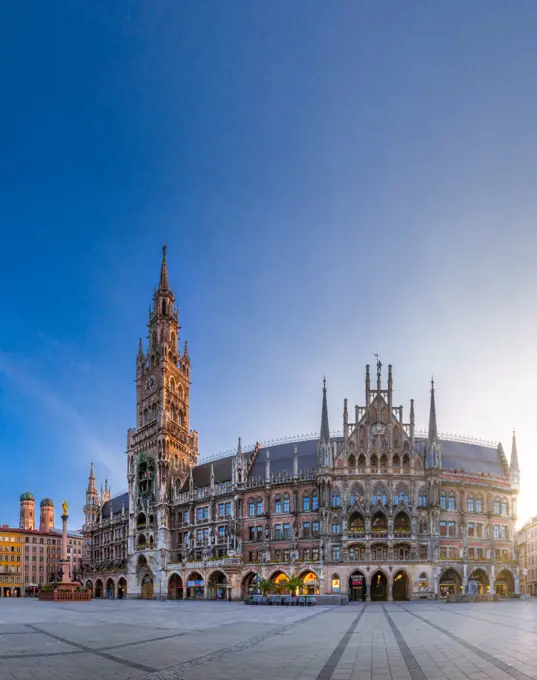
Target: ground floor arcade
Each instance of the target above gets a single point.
(360, 582)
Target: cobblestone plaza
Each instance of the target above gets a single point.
(200, 640)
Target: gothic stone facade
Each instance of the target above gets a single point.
(376, 513)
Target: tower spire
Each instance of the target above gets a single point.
(433, 429)
(514, 469)
(164, 284)
(433, 457)
(325, 429)
(91, 480)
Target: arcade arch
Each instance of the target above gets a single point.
(400, 586)
(175, 587)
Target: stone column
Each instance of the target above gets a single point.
(65, 563)
(390, 592)
(492, 580)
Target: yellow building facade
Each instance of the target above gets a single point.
(11, 562)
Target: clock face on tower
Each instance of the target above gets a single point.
(150, 383)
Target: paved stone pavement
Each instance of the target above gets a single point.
(229, 641)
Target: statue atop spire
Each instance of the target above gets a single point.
(164, 284)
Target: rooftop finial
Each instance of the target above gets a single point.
(164, 284)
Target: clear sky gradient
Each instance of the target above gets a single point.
(331, 178)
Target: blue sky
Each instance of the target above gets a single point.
(330, 179)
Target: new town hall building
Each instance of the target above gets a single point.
(379, 511)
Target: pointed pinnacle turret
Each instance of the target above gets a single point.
(239, 448)
(140, 347)
(513, 466)
(164, 284)
(325, 429)
(433, 429)
(91, 480)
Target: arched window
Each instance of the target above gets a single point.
(172, 384)
(352, 461)
(443, 501)
(406, 462)
(362, 435)
(395, 437)
(479, 504)
(163, 307)
(146, 416)
(174, 413)
(379, 494)
(181, 419)
(423, 525)
(336, 527)
(422, 498)
(154, 412)
(181, 392)
(373, 414)
(496, 509)
(384, 463)
(451, 501)
(396, 464)
(315, 500)
(505, 507)
(361, 463)
(259, 505)
(470, 503)
(278, 504)
(374, 464)
(356, 495)
(306, 502)
(401, 494)
(286, 503)
(251, 507)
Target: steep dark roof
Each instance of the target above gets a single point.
(116, 504)
(470, 457)
(281, 457)
(222, 472)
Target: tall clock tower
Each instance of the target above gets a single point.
(161, 448)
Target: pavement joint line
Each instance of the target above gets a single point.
(139, 642)
(330, 666)
(175, 672)
(89, 650)
(33, 655)
(501, 665)
(412, 663)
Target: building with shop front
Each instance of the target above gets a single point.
(378, 510)
(11, 562)
(105, 530)
(29, 556)
(526, 547)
